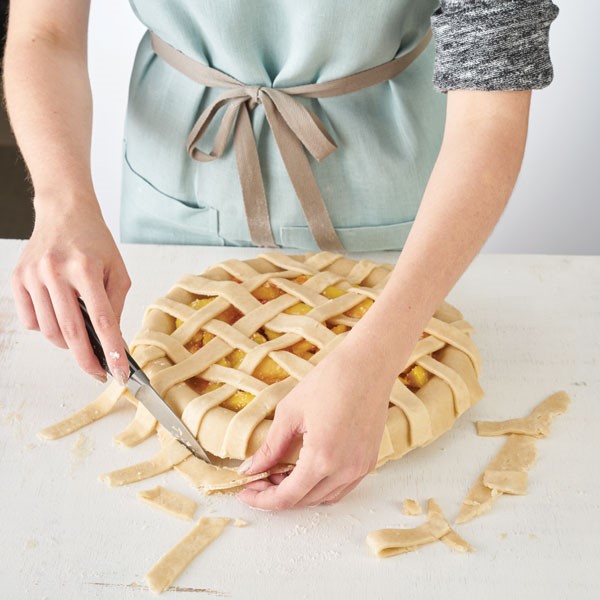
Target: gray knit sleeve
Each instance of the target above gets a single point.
(492, 44)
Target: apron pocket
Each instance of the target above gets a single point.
(371, 238)
(149, 216)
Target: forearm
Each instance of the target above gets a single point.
(49, 102)
(468, 189)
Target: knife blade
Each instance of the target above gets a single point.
(139, 385)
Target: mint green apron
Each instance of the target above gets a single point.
(387, 135)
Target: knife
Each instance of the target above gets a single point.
(139, 385)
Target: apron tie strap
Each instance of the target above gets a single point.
(294, 127)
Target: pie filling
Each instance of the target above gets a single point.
(268, 370)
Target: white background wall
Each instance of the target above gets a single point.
(556, 204)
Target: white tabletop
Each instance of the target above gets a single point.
(64, 534)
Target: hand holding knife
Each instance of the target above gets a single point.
(139, 385)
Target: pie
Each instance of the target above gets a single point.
(224, 347)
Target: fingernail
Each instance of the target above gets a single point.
(101, 377)
(245, 466)
(120, 377)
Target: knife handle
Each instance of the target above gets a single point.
(94, 339)
(96, 344)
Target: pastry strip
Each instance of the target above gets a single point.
(507, 482)
(386, 447)
(253, 358)
(197, 321)
(296, 366)
(450, 538)
(425, 346)
(244, 422)
(283, 261)
(389, 542)
(304, 293)
(175, 504)
(415, 411)
(146, 354)
(460, 391)
(140, 429)
(210, 478)
(173, 308)
(451, 335)
(234, 378)
(239, 269)
(174, 562)
(304, 326)
(94, 411)
(167, 343)
(536, 424)
(165, 379)
(360, 271)
(517, 454)
(172, 454)
(228, 293)
(337, 306)
(456, 542)
(196, 410)
(411, 507)
(321, 260)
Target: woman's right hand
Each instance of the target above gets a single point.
(71, 253)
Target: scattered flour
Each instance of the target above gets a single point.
(240, 523)
(82, 448)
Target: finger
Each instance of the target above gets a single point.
(70, 321)
(277, 478)
(24, 306)
(288, 493)
(340, 493)
(259, 486)
(106, 326)
(262, 484)
(45, 315)
(117, 287)
(280, 437)
(322, 490)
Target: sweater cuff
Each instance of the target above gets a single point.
(492, 44)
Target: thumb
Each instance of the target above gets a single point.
(281, 435)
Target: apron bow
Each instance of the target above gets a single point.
(295, 129)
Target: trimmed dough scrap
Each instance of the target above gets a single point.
(517, 455)
(211, 479)
(174, 562)
(507, 472)
(170, 502)
(170, 455)
(390, 542)
(536, 424)
(139, 429)
(411, 507)
(507, 482)
(93, 411)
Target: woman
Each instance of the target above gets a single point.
(406, 152)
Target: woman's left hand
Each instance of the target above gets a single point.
(338, 413)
